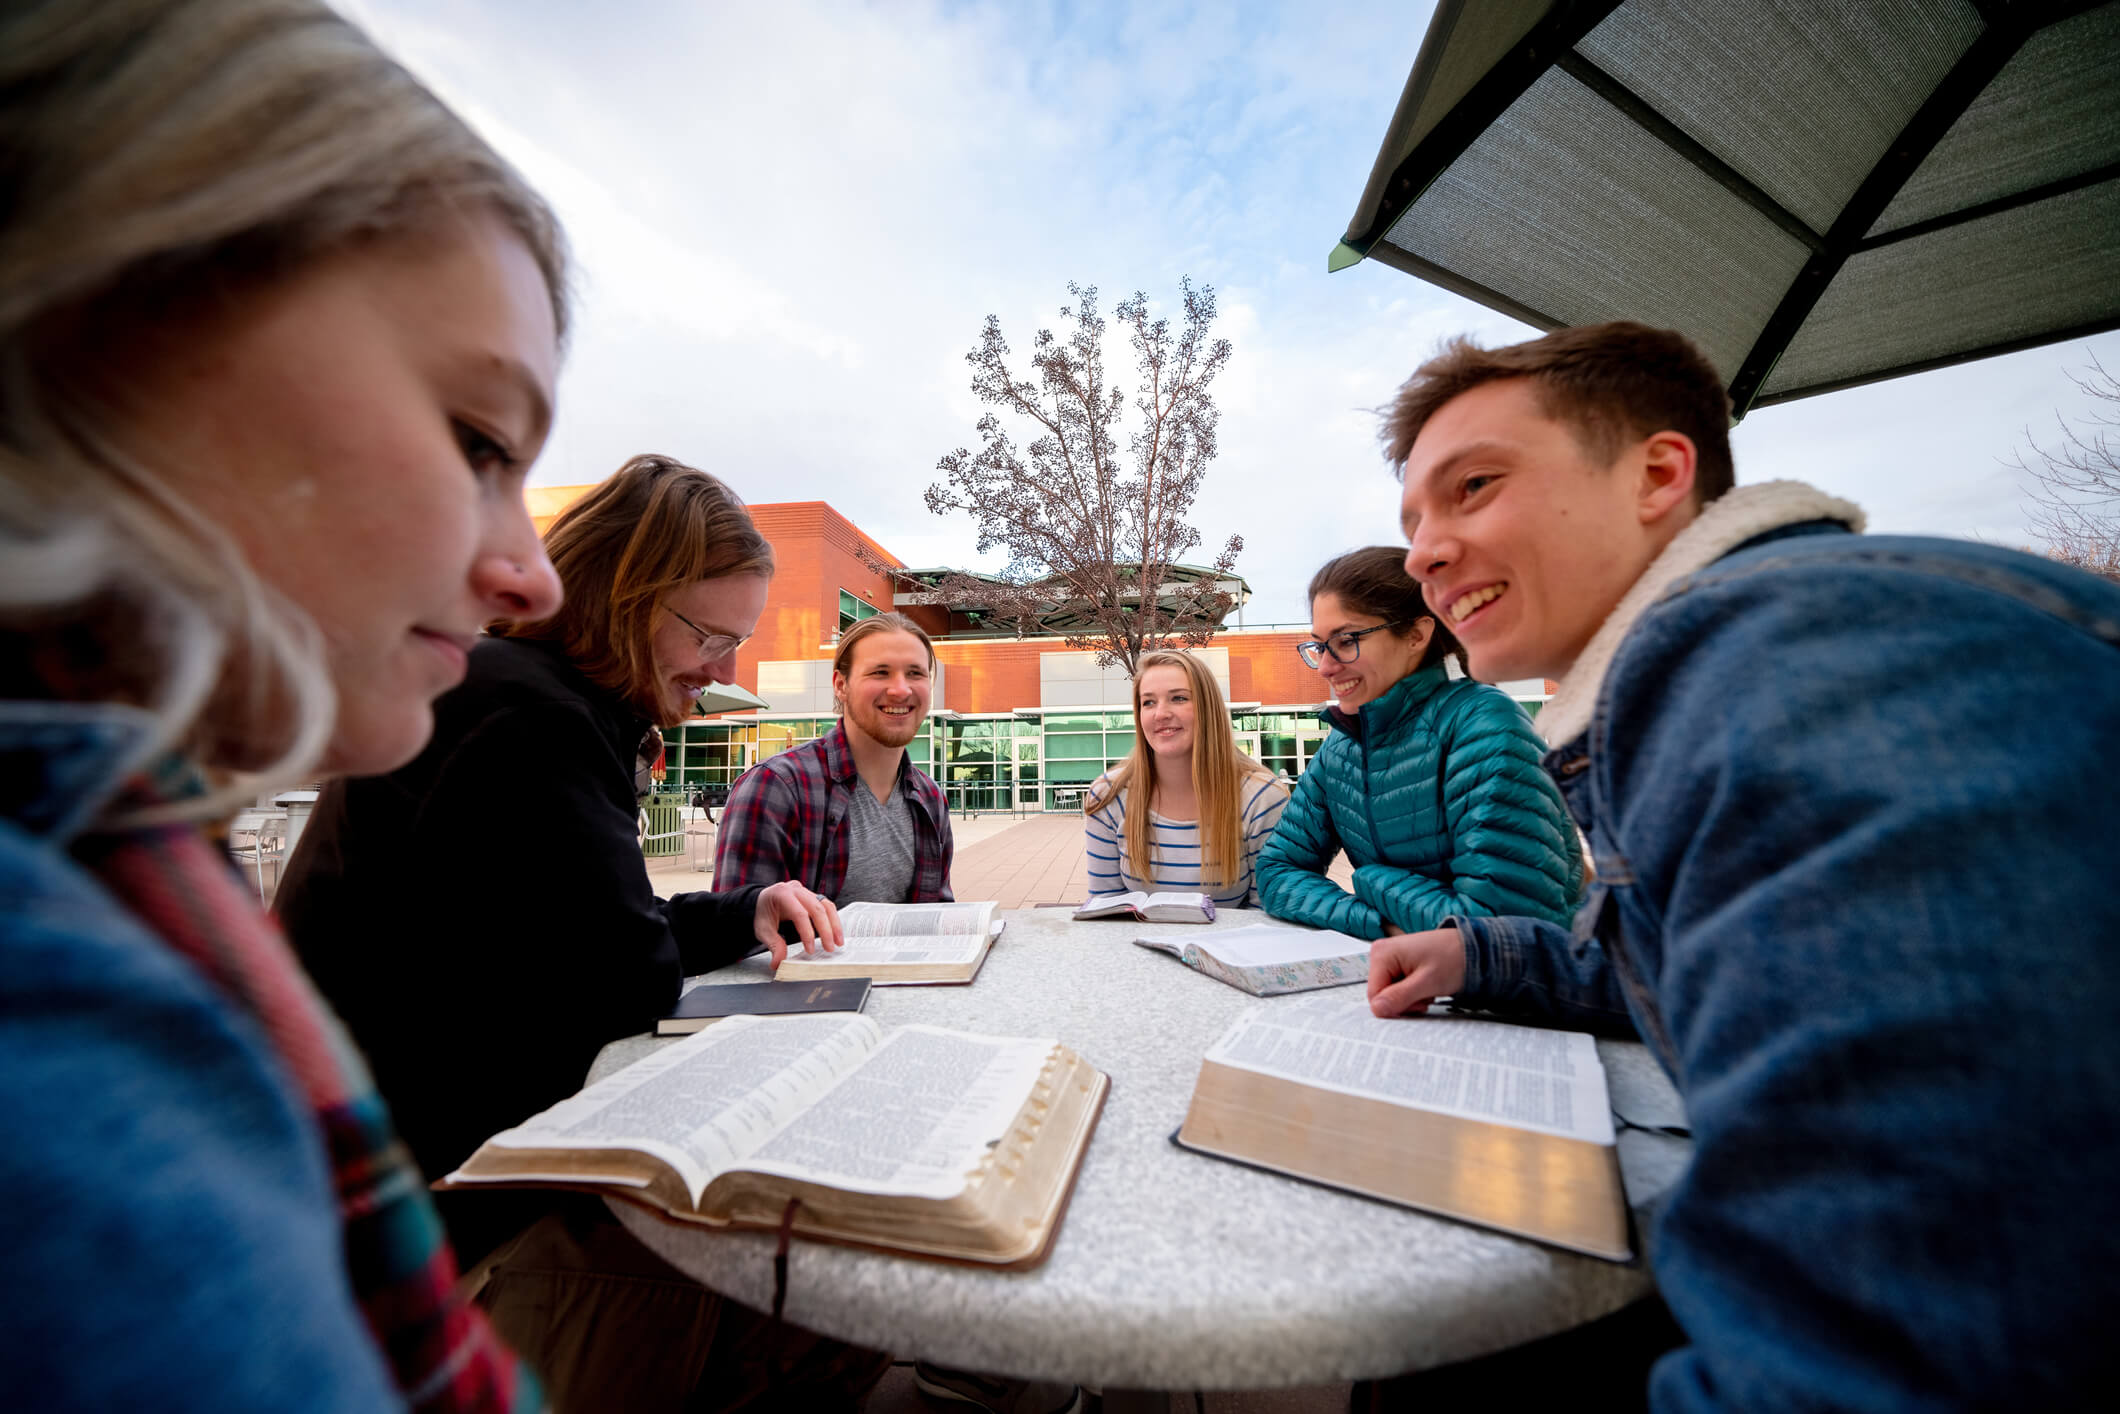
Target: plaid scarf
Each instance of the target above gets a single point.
(442, 1351)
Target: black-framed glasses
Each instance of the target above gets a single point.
(1343, 647)
(711, 645)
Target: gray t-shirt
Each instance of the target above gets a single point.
(879, 848)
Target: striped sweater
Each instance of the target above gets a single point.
(1174, 847)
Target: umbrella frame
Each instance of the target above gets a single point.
(1550, 43)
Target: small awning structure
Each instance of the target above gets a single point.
(1820, 194)
(727, 697)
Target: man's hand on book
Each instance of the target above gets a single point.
(1410, 970)
(813, 917)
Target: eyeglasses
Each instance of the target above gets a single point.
(711, 645)
(1341, 647)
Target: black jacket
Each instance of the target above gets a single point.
(482, 920)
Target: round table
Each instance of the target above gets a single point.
(1173, 1270)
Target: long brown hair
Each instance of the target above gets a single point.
(1219, 771)
(655, 526)
(1373, 582)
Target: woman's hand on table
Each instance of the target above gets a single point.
(814, 918)
(1407, 971)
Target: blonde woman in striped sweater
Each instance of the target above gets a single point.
(1186, 812)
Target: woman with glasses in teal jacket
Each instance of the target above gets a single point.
(1432, 784)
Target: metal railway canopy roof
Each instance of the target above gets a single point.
(1821, 193)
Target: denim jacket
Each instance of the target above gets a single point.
(1848, 806)
(168, 1230)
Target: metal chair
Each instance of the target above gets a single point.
(699, 842)
(258, 838)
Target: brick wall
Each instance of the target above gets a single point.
(993, 675)
(1263, 667)
(818, 552)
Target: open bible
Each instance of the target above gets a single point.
(1151, 908)
(1267, 959)
(898, 944)
(1505, 1126)
(932, 1142)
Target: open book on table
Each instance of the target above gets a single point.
(1505, 1126)
(1151, 908)
(898, 944)
(1267, 959)
(931, 1142)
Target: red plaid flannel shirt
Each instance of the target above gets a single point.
(787, 819)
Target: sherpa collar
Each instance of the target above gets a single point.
(1728, 522)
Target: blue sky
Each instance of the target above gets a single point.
(791, 220)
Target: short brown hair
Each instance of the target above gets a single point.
(869, 627)
(1374, 582)
(1611, 383)
(655, 526)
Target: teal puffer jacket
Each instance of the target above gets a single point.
(1437, 793)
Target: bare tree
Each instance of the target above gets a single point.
(1093, 520)
(2075, 484)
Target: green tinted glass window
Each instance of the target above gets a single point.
(853, 609)
(1072, 724)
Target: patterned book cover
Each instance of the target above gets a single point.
(1273, 979)
(1268, 960)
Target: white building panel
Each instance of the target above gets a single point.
(1075, 680)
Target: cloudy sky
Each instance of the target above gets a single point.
(791, 220)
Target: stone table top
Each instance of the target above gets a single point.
(1174, 1270)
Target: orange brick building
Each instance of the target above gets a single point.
(1017, 723)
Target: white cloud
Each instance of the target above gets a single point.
(792, 219)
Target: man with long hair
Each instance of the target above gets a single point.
(847, 814)
(483, 920)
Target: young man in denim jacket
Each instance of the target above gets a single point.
(1855, 885)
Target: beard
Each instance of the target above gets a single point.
(673, 704)
(885, 731)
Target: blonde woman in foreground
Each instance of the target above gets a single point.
(1186, 812)
(278, 343)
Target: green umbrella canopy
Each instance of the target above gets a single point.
(1821, 194)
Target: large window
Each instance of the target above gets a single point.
(978, 761)
(775, 737)
(986, 763)
(713, 754)
(1282, 742)
(1079, 747)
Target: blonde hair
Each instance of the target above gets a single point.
(155, 157)
(1219, 771)
(655, 526)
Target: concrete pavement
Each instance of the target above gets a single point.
(1021, 861)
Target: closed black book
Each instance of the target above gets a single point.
(704, 1004)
